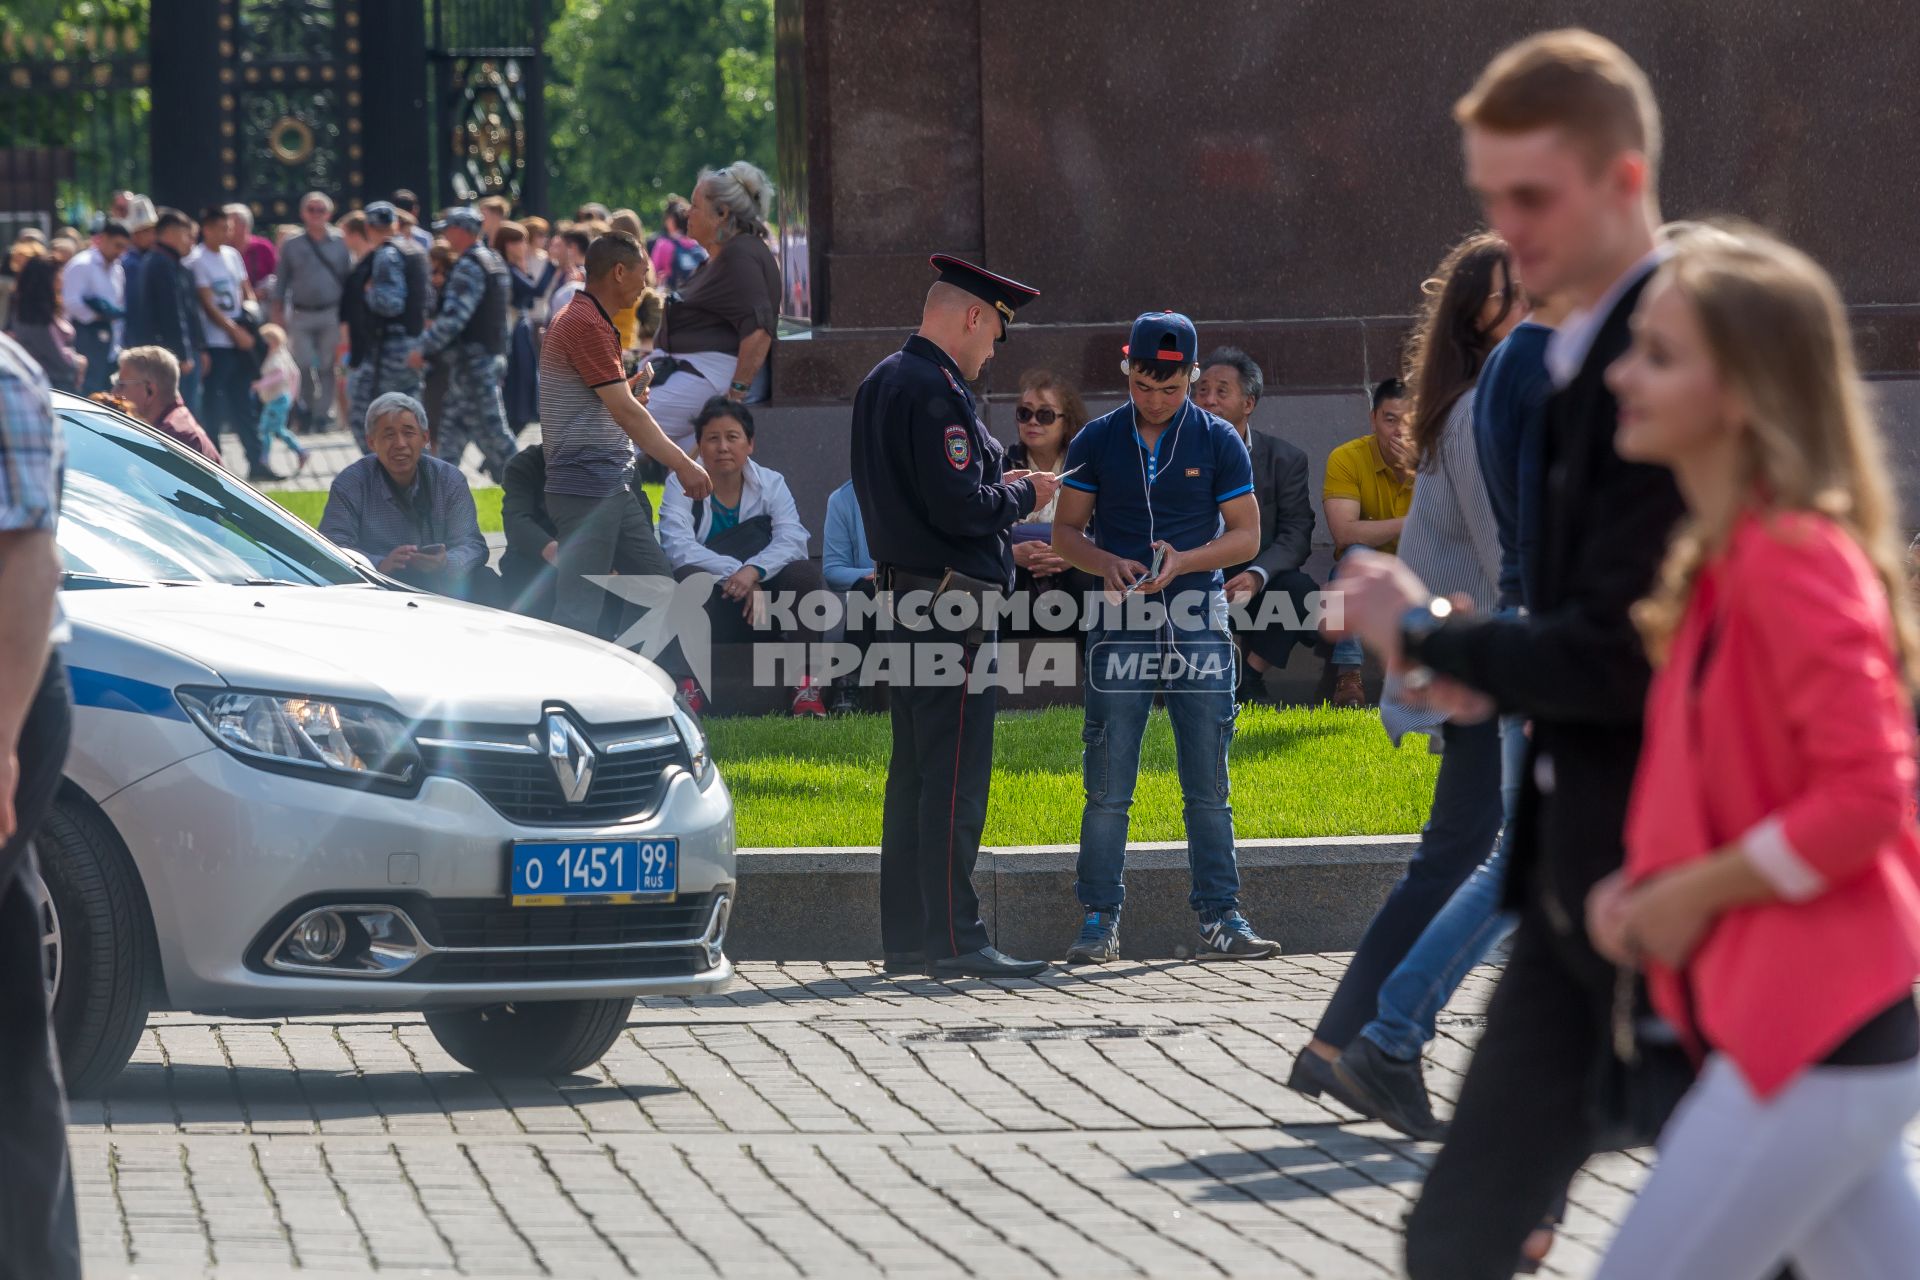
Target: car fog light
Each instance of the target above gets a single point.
(319, 937)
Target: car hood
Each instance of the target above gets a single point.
(426, 657)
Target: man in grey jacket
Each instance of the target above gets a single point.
(1230, 385)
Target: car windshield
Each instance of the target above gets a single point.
(137, 511)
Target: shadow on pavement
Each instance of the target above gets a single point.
(194, 1090)
(1334, 1162)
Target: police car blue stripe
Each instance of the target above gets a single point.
(112, 692)
(1232, 494)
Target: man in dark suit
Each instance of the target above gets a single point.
(1270, 593)
(1562, 142)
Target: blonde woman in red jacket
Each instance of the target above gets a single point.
(1770, 889)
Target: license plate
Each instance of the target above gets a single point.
(551, 874)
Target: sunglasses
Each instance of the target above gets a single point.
(1045, 417)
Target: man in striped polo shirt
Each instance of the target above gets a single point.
(591, 417)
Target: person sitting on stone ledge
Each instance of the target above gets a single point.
(747, 534)
(847, 565)
(1367, 491)
(1230, 386)
(407, 511)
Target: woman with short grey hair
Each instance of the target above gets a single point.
(720, 326)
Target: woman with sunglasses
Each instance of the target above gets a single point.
(1049, 415)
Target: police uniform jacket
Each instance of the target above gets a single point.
(927, 474)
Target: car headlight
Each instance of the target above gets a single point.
(351, 742)
(694, 739)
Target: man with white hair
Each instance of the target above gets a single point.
(313, 272)
(255, 250)
(404, 509)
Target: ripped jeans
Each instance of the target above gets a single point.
(1123, 672)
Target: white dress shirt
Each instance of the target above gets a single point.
(87, 275)
(1568, 347)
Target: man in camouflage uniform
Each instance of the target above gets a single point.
(385, 306)
(472, 328)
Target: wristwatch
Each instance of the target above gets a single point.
(1416, 624)
(741, 387)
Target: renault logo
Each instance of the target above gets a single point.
(571, 756)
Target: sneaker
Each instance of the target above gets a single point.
(1099, 939)
(691, 697)
(1230, 937)
(299, 463)
(807, 702)
(842, 702)
(1389, 1088)
(1348, 691)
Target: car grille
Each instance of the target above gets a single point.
(627, 786)
(488, 923)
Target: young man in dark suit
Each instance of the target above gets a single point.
(1230, 386)
(1562, 143)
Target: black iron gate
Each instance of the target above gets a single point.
(73, 122)
(489, 85)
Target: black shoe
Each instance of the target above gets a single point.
(1313, 1075)
(904, 962)
(263, 473)
(1394, 1091)
(842, 703)
(986, 963)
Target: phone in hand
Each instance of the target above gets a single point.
(1153, 570)
(432, 549)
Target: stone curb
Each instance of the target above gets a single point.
(1309, 895)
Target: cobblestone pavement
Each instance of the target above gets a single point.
(330, 452)
(814, 1120)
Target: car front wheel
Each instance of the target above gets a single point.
(543, 1038)
(96, 937)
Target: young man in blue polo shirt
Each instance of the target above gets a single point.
(1168, 488)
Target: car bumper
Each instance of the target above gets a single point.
(230, 854)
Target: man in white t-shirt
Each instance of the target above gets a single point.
(220, 277)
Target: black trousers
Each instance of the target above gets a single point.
(1274, 644)
(223, 399)
(1522, 1128)
(39, 1235)
(936, 804)
(1460, 831)
(95, 342)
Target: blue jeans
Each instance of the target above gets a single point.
(1346, 653)
(1460, 936)
(1124, 670)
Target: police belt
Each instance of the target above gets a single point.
(899, 580)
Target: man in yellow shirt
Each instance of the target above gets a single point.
(1368, 489)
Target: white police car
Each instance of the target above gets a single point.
(298, 787)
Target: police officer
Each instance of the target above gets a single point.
(938, 509)
(472, 328)
(384, 304)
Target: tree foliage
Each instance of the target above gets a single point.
(644, 93)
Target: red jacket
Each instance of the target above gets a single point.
(1792, 736)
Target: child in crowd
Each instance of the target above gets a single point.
(278, 381)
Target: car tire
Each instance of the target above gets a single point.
(105, 948)
(535, 1038)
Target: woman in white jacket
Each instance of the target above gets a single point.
(748, 536)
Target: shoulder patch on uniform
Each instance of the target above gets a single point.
(959, 448)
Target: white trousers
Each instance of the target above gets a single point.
(1817, 1177)
(674, 402)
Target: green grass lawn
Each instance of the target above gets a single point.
(308, 504)
(1296, 772)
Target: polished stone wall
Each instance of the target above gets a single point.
(1287, 172)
